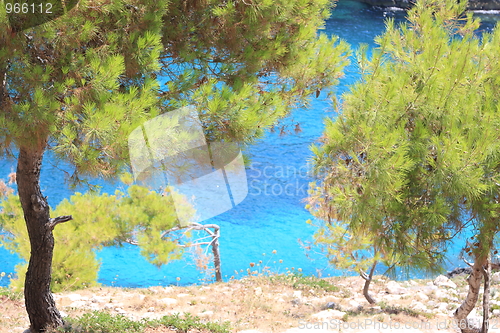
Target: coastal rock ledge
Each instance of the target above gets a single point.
(473, 4)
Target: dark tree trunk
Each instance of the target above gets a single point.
(40, 304)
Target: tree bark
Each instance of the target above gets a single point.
(39, 302)
(486, 297)
(215, 251)
(470, 301)
(368, 279)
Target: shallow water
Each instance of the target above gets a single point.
(272, 217)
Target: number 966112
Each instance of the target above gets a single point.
(28, 8)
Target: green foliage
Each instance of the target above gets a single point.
(347, 250)
(103, 322)
(88, 78)
(98, 220)
(80, 84)
(189, 322)
(391, 309)
(413, 158)
(303, 282)
(11, 294)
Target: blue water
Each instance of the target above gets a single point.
(272, 217)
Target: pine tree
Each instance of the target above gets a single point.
(413, 158)
(139, 216)
(78, 84)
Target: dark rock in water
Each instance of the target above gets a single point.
(458, 271)
(472, 4)
(330, 305)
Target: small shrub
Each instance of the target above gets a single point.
(183, 325)
(102, 322)
(311, 282)
(391, 309)
(11, 294)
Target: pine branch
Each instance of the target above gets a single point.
(60, 219)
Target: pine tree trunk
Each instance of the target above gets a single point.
(486, 298)
(368, 279)
(215, 251)
(470, 301)
(40, 304)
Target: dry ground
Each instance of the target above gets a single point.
(257, 303)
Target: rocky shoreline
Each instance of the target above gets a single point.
(261, 305)
(405, 4)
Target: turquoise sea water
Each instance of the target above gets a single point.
(272, 217)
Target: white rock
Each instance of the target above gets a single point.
(297, 294)
(156, 289)
(440, 294)
(78, 304)
(168, 301)
(429, 289)
(310, 330)
(74, 297)
(421, 296)
(495, 277)
(120, 310)
(258, 291)
(395, 288)
(496, 312)
(354, 305)
(391, 298)
(443, 307)
(443, 281)
(474, 318)
(418, 306)
(329, 314)
(183, 295)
